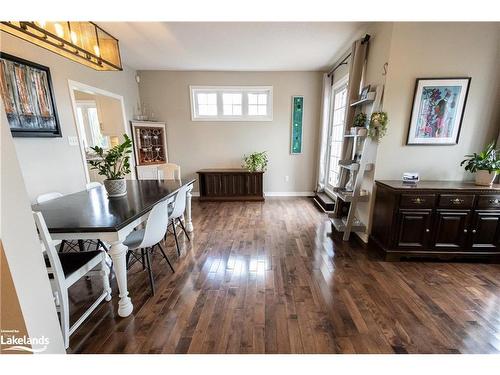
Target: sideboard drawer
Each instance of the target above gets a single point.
(491, 202)
(418, 200)
(455, 201)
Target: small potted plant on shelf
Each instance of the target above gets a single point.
(485, 165)
(114, 164)
(359, 124)
(255, 162)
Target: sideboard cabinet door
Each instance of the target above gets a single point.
(485, 234)
(414, 229)
(451, 229)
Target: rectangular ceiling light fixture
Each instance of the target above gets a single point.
(83, 42)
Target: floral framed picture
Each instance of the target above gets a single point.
(437, 111)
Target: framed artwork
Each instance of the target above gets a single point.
(437, 111)
(364, 92)
(26, 91)
(150, 142)
(297, 112)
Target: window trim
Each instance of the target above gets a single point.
(244, 117)
(340, 85)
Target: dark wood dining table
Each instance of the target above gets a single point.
(91, 214)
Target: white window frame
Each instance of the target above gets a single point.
(219, 90)
(340, 85)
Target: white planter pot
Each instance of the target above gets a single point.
(116, 188)
(485, 178)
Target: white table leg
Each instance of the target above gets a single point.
(118, 252)
(187, 215)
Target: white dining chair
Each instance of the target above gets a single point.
(148, 238)
(67, 268)
(169, 171)
(63, 244)
(176, 212)
(48, 197)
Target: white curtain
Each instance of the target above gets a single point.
(323, 133)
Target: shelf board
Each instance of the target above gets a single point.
(340, 225)
(354, 166)
(369, 99)
(351, 167)
(346, 196)
(354, 136)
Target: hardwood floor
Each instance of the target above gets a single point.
(269, 278)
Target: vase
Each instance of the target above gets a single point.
(349, 186)
(485, 178)
(116, 188)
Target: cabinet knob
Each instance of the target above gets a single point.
(427, 230)
(465, 230)
(473, 231)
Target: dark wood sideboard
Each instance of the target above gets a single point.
(441, 219)
(231, 185)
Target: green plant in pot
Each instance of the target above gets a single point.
(359, 124)
(485, 165)
(255, 162)
(114, 164)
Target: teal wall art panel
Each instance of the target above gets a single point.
(297, 115)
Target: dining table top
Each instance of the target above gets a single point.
(93, 211)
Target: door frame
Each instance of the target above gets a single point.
(79, 86)
(344, 81)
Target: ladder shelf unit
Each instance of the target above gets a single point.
(363, 152)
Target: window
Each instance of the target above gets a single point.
(207, 104)
(90, 128)
(231, 103)
(257, 104)
(336, 134)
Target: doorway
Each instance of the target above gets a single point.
(100, 121)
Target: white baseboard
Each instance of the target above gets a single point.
(276, 194)
(289, 194)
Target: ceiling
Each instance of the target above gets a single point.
(251, 46)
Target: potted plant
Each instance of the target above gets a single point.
(359, 124)
(485, 165)
(255, 162)
(114, 164)
(378, 125)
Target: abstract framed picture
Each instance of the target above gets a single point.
(26, 91)
(437, 111)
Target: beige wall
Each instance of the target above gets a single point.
(41, 160)
(196, 145)
(440, 50)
